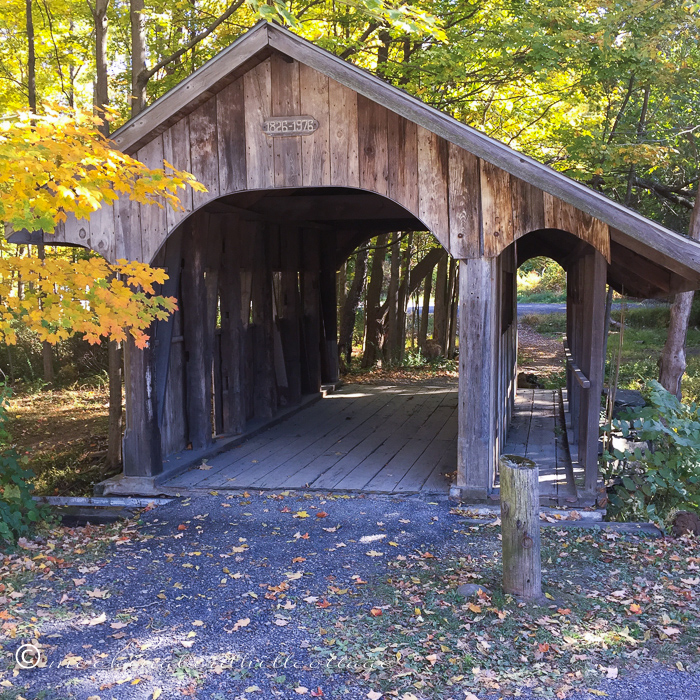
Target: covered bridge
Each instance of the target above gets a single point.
(304, 157)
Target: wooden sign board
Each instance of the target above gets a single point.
(290, 126)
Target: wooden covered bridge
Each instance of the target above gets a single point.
(304, 157)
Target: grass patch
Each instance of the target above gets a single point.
(64, 434)
(613, 604)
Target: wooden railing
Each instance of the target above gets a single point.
(581, 378)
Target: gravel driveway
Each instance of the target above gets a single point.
(207, 599)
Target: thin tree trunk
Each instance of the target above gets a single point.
(440, 314)
(138, 56)
(391, 342)
(402, 298)
(672, 361)
(372, 299)
(347, 316)
(454, 305)
(101, 98)
(425, 311)
(31, 58)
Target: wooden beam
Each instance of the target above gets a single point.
(198, 344)
(478, 348)
(141, 448)
(329, 311)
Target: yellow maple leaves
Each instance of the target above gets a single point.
(58, 163)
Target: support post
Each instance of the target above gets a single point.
(329, 312)
(141, 446)
(594, 277)
(198, 343)
(478, 348)
(311, 324)
(520, 527)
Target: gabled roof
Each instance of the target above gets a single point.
(628, 228)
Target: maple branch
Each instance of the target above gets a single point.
(145, 75)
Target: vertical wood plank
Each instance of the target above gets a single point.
(496, 209)
(528, 207)
(311, 325)
(372, 146)
(204, 151)
(284, 83)
(433, 164)
(195, 327)
(127, 229)
(264, 380)
(232, 367)
(315, 148)
(345, 168)
(260, 161)
(290, 311)
(231, 135)
(142, 444)
(176, 151)
(152, 216)
(402, 143)
(329, 310)
(593, 231)
(465, 203)
(102, 226)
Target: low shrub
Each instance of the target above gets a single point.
(19, 513)
(663, 475)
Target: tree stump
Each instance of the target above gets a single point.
(520, 527)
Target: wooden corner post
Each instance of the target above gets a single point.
(594, 278)
(478, 350)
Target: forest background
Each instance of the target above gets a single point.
(606, 92)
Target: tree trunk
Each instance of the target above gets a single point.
(402, 298)
(672, 361)
(440, 314)
(101, 98)
(520, 527)
(138, 56)
(454, 304)
(31, 59)
(391, 340)
(46, 349)
(347, 316)
(425, 311)
(372, 299)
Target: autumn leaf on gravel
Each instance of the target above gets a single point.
(311, 599)
(187, 644)
(301, 690)
(244, 622)
(635, 609)
(198, 623)
(611, 672)
(321, 514)
(78, 581)
(118, 625)
(318, 693)
(374, 695)
(71, 660)
(376, 612)
(299, 536)
(99, 620)
(156, 693)
(474, 608)
(374, 553)
(96, 593)
(181, 526)
(206, 468)
(293, 576)
(332, 529)
(298, 560)
(323, 604)
(470, 696)
(301, 514)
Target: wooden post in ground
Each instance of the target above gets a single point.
(520, 527)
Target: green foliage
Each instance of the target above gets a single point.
(652, 481)
(19, 513)
(541, 279)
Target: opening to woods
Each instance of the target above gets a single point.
(397, 302)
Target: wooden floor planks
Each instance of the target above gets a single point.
(381, 439)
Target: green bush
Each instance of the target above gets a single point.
(652, 481)
(19, 513)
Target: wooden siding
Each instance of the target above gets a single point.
(473, 208)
